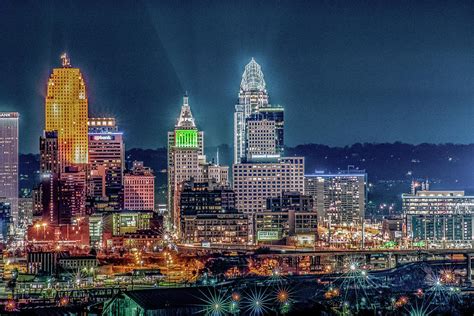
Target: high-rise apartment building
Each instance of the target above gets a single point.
(445, 218)
(339, 198)
(66, 111)
(139, 188)
(9, 161)
(186, 158)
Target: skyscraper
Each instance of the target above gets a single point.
(106, 148)
(259, 171)
(253, 107)
(185, 158)
(9, 161)
(66, 110)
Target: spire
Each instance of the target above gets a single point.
(217, 156)
(65, 61)
(185, 119)
(185, 99)
(252, 79)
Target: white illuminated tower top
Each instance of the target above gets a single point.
(252, 79)
(185, 119)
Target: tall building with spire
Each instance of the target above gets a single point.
(66, 112)
(185, 158)
(260, 171)
(254, 113)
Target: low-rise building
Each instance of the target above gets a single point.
(290, 218)
(75, 263)
(208, 214)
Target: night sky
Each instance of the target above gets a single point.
(345, 72)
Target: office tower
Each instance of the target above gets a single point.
(290, 217)
(9, 161)
(339, 198)
(139, 188)
(252, 96)
(443, 218)
(255, 182)
(185, 158)
(72, 196)
(208, 214)
(66, 111)
(49, 153)
(106, 148)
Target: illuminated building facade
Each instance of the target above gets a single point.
(186, 158)
(339, 198)
(125, 221)
(440, 217)
(139, 188)
(9, 161)
(96, 230)
(66, 111)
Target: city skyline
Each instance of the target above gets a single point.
(190, 158)
(420, 95)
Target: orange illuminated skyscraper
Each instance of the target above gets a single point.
(66, 112)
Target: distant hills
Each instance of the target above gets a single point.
(447, 165)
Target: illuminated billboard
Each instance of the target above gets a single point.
(264, 235)
(186, 138)
(103, 137)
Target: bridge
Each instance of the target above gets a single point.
(391, 256)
